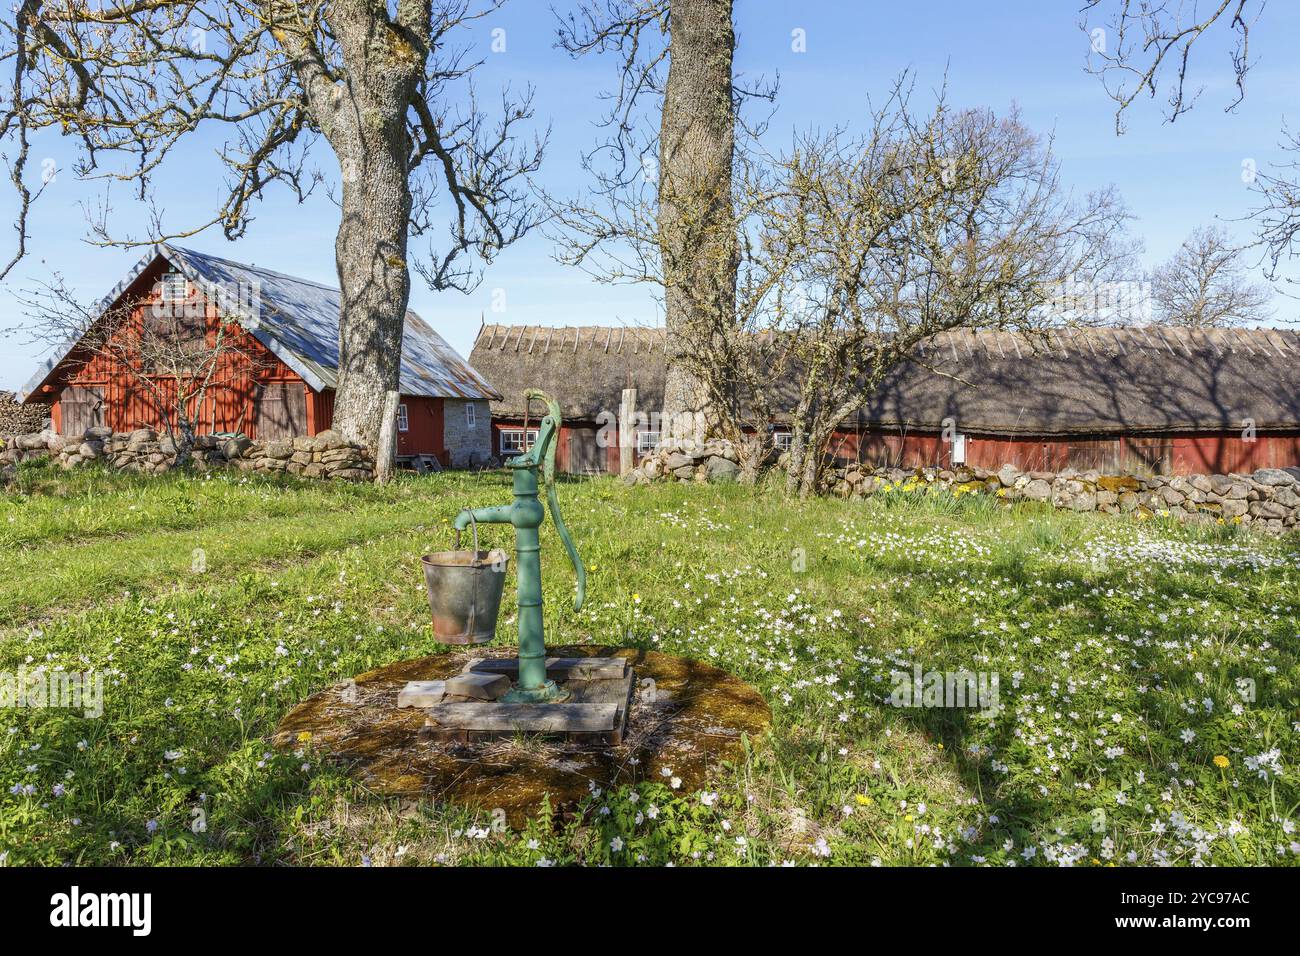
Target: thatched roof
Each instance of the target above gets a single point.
(1094, 381)
(586, 369)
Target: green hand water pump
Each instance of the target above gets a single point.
(526, 515)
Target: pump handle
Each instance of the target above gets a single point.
(549, 436)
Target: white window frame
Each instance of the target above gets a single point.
(518, 444)
(403, 418)
(470, 416)
(646, 442)
(169, 288)
(782, 441)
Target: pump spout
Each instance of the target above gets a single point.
(496, 514)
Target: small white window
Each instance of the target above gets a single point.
(646, 442)
(173, 287)
(959, 449)
(512, 440)
(781, 441)
(403, 421)
(469, 414)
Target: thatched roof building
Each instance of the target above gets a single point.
(1095, 382)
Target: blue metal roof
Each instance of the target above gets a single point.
(298, 321)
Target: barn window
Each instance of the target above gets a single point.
(781, 441)
(173, 287)
(469, 414)
(959, 449)
(403, 421)
(512, 440)
(646, 442)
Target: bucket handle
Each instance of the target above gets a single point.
(474, 525)
(473, 604)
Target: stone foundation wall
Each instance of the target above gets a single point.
(467, 446)
(1268, 499)
(326, 455)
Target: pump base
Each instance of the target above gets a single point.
(585, 700)
(687, 719)
(548, 693)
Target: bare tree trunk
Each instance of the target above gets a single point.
(811, 466)
(696, 229)
(794, 461)
(184, 440)
(364, 118)
(386, 449)
(376, 286)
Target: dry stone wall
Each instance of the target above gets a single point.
(327, 455)
(1268, 499)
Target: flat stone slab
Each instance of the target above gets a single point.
(475, 684)
(685, 717)
(422, 693)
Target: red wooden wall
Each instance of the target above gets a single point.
(424, 434)
(608, 456)
(228, 405)
(1182, 454)
(130, 404)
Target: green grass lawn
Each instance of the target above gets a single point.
(1147, 674)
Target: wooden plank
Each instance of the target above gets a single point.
(557, 668)
(524, 718)
(626, 431)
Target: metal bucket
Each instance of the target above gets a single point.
(465, 592)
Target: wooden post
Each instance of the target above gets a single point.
(627, 432)
(387, 450)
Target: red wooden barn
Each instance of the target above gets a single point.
(1161, 399)
(280, 382)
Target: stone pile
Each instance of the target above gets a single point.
(327, 455)
(687, 460)
(1268, 499)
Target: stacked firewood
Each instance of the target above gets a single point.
(16, 419)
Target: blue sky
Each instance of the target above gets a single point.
(1173, 177)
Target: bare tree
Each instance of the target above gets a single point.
(379, 81)
(173, 352)
(659, 209)
(1139, 47)
(1204, 285)
(856, 248)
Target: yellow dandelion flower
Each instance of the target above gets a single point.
(864, 801)
(1221, 761)
(304, 736)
